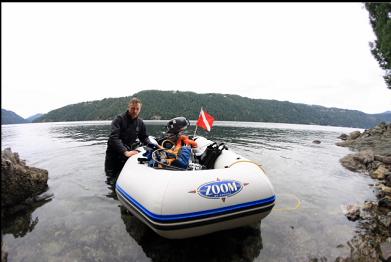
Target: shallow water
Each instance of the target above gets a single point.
(84, 221)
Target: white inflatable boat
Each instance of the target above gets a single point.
(181, 204)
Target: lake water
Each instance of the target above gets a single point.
(84, 221)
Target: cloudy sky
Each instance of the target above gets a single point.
(55, 54)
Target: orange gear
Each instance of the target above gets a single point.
(186, 140)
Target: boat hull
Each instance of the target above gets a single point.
(183, 204)
(201, 226)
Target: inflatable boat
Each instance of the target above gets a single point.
(187, 203)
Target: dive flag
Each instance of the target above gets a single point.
(205, 120)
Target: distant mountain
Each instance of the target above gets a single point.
(224, 107)
(9, 117)
(32, 118)
(386, 116)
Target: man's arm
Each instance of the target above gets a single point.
(143, 134)
(115, 141)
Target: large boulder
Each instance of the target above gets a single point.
(19, 183)
(354, 135)
(359, 161)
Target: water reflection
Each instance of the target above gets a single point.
(98, 133)
(240, 244)
(271, 139)
(22, 222)
(82, 133)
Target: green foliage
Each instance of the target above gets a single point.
(169, 104)
(380, 18)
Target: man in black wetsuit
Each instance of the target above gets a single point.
(125, 129)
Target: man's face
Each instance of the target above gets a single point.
(134, 110)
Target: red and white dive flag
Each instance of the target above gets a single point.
(205, 120)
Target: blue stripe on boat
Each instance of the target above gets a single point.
(216, 211)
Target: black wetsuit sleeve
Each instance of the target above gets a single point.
(143, 134)
(115, 141)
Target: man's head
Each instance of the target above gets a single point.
(134, 107)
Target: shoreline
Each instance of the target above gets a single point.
(371, 156)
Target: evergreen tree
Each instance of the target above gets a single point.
(165, 105)
(380, 18)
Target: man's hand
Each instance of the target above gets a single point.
(131, 153)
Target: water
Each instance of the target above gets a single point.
(84, 221)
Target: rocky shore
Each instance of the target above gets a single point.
(21, 188)
(372, 156)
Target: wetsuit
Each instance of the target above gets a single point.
(123, 137)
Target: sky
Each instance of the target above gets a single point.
(56, 54)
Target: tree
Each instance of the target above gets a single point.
(380, 19)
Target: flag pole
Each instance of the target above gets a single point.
(195, 131)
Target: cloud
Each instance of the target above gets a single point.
(55, 54)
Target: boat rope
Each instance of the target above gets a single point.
(298, 201)
(298, 205)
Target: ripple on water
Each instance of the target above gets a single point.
(85, 222)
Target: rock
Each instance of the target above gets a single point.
(343, 137)
(385, 189)
(385, 249)
(359, 161)
(343, 259)
(352, 212)
(379, 173)
(316, 142)
(354, 135)
(385, 202)
(375, 216)
(350, 163)
(368, 205)
(384, 159)
(387, 179)
(386, 220)
(343, 144)
(19, 182)
(365, 156)
(4, 254)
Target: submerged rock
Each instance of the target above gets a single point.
(352, 212)
(20, 184)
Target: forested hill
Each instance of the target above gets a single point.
(169, 104)
(10, 117)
